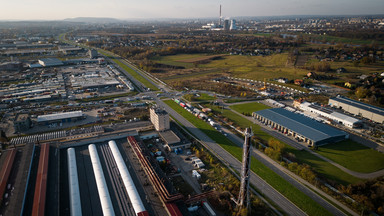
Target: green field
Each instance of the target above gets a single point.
(353, 156)
(249, 107)
(322, 167)
(252, 67)
(297, 197)
(178, 60)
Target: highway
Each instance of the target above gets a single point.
(255, 180)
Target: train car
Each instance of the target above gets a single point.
(74, 191)
(102, 188)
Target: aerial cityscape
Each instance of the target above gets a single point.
(192, 108)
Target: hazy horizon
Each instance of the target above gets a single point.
(147, 9)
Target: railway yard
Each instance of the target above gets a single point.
(92, 177)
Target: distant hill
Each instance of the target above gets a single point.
(93, 20)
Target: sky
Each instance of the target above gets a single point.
(125, 9)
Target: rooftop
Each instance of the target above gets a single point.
(169, 137)
(58, 116)
(300, 124)
(359, 105)
(160, 111)
(21, 117)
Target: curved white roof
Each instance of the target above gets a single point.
(102, 188)
(127, 179)
(74, 191)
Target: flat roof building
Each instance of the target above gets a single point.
(169, 137)
(22, 122)
(300, 127)
(159, 118)
(337, 117)
(373, 113)
(50, 62)
(60, 117)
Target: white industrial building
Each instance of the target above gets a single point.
(340, 118)
(358, 108)
(49, 62)
(60, 117)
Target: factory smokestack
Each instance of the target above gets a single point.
(220, 16)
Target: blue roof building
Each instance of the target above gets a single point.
(299, 126)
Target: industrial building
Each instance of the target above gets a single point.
(93, 80)
(233, 25)
(51, 62)
(60, 117)
(92, 53)
(300, 127)
(22, 122)
(159, 118)
(337, 117)
(370, 112)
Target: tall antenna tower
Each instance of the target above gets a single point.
(244, 200)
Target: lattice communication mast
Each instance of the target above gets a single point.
(243, 201)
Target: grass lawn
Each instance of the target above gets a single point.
(251, 67)
(256, 67)
(182, 60)
(322, 167)
(297, 197)
(353, 156)
(249, 107)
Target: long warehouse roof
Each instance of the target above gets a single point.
(360, 105)
(58, 116)
(300, 124)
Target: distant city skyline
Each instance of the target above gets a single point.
(127, 9)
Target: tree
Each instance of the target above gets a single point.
(362, 92)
